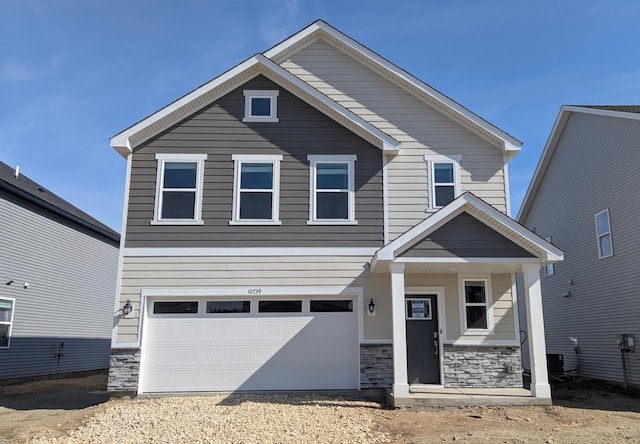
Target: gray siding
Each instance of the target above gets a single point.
(219, 131)
(72, 282)
(465, 236)
(595, 166)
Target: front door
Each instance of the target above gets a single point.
(423, 351)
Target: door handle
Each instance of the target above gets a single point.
(435, 344)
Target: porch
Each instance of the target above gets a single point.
(434, 397)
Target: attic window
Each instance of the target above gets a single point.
(260, 106)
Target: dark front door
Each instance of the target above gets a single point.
(423, 351)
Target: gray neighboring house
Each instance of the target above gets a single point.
(584, 198)
(318, 218)
(58, 272)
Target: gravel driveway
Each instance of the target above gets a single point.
(237, 418)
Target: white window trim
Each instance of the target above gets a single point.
(431, 160)
(350, 161)
(263, 94)
(549, 269)
(238, 160)
(598, 236)
(9, 322)
(162, 160)
(490, 330)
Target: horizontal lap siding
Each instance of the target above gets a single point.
(421, 129)
(72, 282)
(595, 166)
(219, 132)
(220, 272)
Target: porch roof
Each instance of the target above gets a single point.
(534, 248)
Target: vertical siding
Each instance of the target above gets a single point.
(594, 167)
(72, 277)
(219, 131)
(421, 130)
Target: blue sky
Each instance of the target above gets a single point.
(75, 73)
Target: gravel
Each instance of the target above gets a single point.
(236, 418)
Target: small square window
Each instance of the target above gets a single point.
(261, 106)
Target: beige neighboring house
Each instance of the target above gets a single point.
(317, 218)
(583, 198)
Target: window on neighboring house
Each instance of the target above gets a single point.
(549, 269)
(256, 189)
(444, 180)
(179, 189)
(6, 319)
(476, 306)
(603, 233)
(332, 197)
(260, 106)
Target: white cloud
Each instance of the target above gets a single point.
(19, 72)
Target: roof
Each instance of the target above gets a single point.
(20, 185)
(267, 64)
(544, 251)
(619, 111)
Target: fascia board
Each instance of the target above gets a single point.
(543, 163)
(509, 144)
(388, 142)
(121, 141)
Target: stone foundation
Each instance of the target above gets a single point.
(482, 366)
(124, 370)
(376, 366)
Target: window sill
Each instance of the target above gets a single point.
(332, 222)
(176, 222)
(255, 222)
(472, 332)
(260, 119)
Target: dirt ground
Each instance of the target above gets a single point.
(583, 412)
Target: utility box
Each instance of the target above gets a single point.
(626, 343)
(555, 364)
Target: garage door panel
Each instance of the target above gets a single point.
(255, 352)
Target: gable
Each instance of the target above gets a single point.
(465, 236)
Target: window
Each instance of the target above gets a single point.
(332, 185)
(419, 309)
(179, 189)
(444, 180)
(174, 307)
(330, 306)
(476, 316)
(6, 319)
(256, 189)
(603, 233)
(280, 306)
(260, 106)
(228, 306)
(549, 269)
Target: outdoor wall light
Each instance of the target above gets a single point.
(127, 308)
(372, 306)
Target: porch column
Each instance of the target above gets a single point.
(400, 383)
(540, 387)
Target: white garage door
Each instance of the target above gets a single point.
(271, 344)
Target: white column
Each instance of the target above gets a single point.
(400, 384)
(540, 387)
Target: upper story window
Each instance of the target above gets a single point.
(6, 319)
(476, 314)
(260, 106)
(603, 234)
(549, 269)
(332, 185)
(179, 189)
(443, 173)
(256, 189)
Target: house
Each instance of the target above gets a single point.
(58, 276)
(318, 218)
(583, 198)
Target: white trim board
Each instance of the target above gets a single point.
(248, 252)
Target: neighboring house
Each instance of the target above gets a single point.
(318, 218)
(583, 197)
(58, 276)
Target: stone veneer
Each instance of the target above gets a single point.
(482, 366)
(124, 370)
(376, 366)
